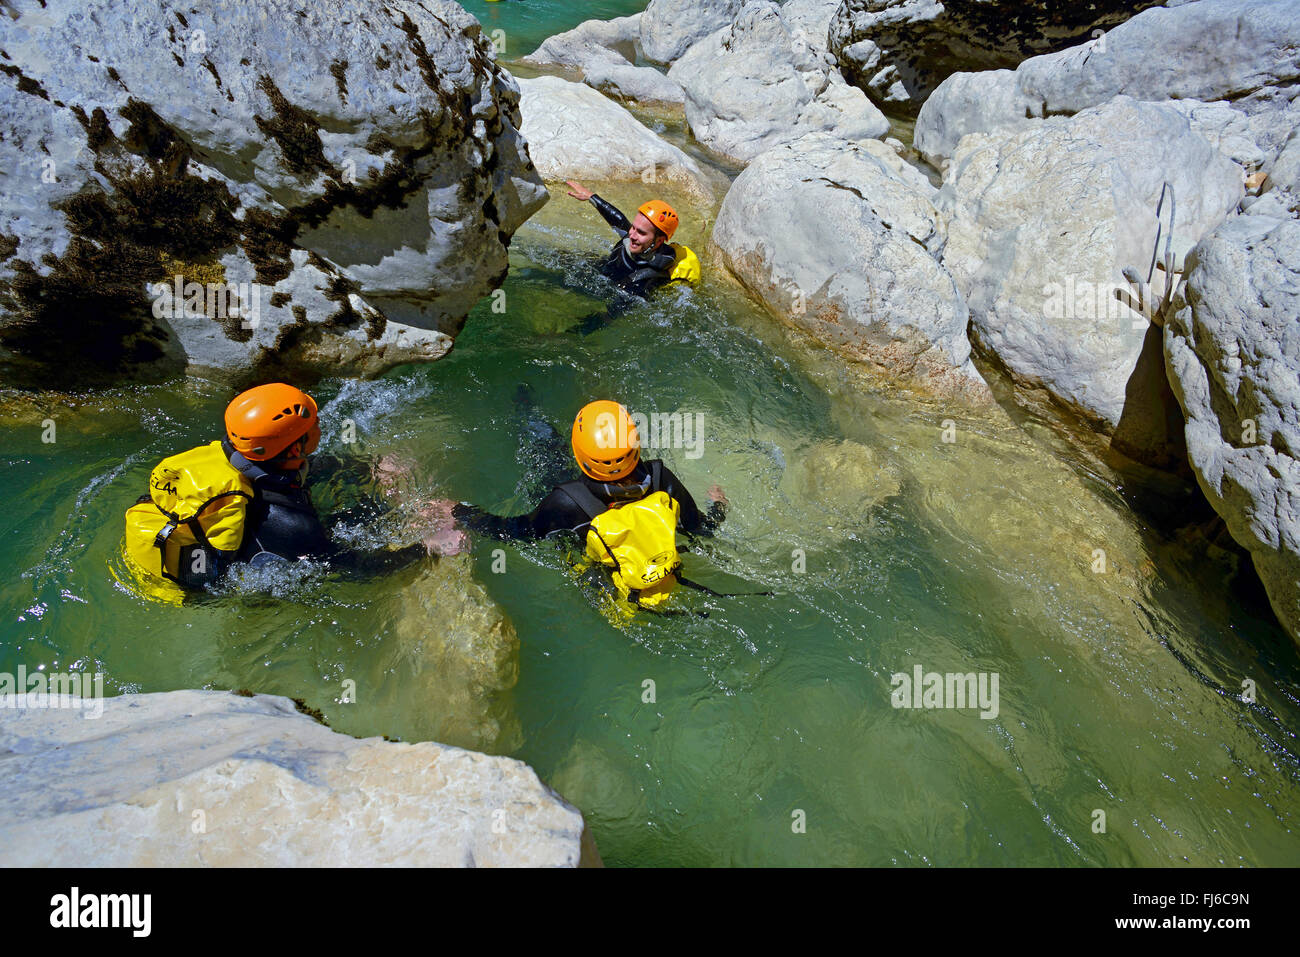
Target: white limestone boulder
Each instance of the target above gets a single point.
(604, 52)
(1233, 356)
(608, 143)
(1040, 223)
(669, 27)
(900, 50)
(212, 779)
(759, 82)
(834, 238)
(1232, 65)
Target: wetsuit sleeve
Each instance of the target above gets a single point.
(376, 562)
(612, 216)
(483, 522)
(558, 512)
(691, 518)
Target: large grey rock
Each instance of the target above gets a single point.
(1245, 53)
(364, 168)
(759, 83)
(969, 103)
(604, 52)
(833, 237)
(669, 27)
(1041, 221)
(900, 50)
(609, 144)
(1233, 356)
(212, 779)
(1208, 50)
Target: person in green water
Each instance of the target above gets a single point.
(627, 510)
(643, 259)
(243, 499)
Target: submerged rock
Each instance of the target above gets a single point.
(604, 52)
(759, 83)
(359, 171)
(1233, 354)
(609, 144)
(461, 650)
(900, 50)
(834, 237)
(842, 478)
(212, 779)
(1041, 221)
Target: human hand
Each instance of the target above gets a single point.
(577, 190)
(442, 536)
(716, 494)
(388, 472)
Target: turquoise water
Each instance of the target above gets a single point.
(1119, 692)
(526, 23)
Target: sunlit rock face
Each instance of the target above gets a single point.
(760, 82)
(1233, 355)
(604, 53)
(208, 778)
(1231, 66)
(835, 238)
(609, 144)
(1041, 222)
(353, 174)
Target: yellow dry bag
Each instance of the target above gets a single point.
(190, 523)
(687, 267)
(638, 542)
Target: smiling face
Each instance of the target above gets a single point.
(642, 235)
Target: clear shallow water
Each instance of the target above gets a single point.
(1118, 691)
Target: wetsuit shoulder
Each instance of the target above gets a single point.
(691, 518)
(283, 522)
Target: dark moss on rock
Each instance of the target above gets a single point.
(268, 241)
(98, 133)
(279, 299)
(25, 83)
(339, 70)
(87, 314)
(211, 68)
(295, 131)
(312, 713)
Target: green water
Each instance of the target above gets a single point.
(1118, 691)
(526, 23)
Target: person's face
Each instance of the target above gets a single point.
(641, 235)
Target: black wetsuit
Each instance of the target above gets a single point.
(281, 523)
(639, 275)
(560, 512)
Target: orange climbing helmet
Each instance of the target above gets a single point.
(270, 419)
(662, 216)
(605, 441)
